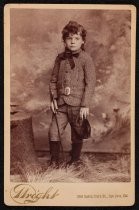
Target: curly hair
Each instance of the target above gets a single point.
(73, 28)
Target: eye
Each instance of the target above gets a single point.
(68, 38)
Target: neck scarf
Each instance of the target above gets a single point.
(69, 55)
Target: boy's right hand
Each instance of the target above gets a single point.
(54, 106)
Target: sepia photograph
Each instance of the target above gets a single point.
(69, 89)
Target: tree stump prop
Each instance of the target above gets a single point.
(22, 150)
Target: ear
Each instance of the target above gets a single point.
(83, 41)
(64, 44)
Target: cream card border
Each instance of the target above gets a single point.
(70, 194)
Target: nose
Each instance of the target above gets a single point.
(72, 41)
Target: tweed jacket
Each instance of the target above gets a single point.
(81, 80)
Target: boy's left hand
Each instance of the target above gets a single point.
(84, 112)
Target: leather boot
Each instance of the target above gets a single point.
(75, 153)
(54, 151)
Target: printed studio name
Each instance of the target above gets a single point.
(26, 193)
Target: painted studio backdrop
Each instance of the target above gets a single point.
(35, 41)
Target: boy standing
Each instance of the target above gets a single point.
(71, 87)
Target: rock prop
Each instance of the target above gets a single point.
(22, 150)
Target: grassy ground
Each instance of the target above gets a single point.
(95, 168)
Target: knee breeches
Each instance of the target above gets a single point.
(66, 114)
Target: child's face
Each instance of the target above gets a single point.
(74, 42)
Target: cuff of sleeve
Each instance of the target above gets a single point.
(83, 104)
(54, 95)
